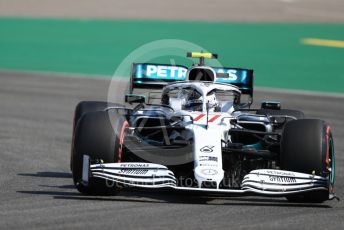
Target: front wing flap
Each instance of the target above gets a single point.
(281, 182)
(135, 174)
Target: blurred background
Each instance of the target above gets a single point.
(292, 44)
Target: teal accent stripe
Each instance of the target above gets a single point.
(257, 146)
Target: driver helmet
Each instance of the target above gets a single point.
(212, 102)
(191, 100)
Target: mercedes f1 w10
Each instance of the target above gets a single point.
(202, 135)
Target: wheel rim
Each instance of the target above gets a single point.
(332, 161)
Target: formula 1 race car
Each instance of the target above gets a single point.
(200, 135)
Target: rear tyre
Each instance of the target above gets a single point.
(307, 147)
(88, 107)
(98, 138)
(288, 112)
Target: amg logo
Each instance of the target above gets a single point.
(282, 179)
(134, 171)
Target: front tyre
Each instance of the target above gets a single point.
(84, 107)
(100, 139)
(307, 147)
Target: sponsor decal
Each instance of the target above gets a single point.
(208, 165)
(280, 173)
(207, 158)
(282, 179)
(207, 149)
(135, 165)
(209, 172)
(165, 72)
(134, 171)
(203, 158)
(213, 159)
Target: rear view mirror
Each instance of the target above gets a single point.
(135, 98)
(275, 105)
(222, 75)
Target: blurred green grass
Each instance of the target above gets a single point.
(97, 47)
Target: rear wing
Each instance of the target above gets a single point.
(242, 78)
(156, 76)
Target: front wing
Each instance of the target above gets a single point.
(267, 182)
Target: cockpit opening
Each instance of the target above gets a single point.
(201, 74)
(192, 99)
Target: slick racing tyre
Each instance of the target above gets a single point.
(87, 107)
(307, 147)
(100, 139)
(282, 112)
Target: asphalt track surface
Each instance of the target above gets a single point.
(37, 192)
